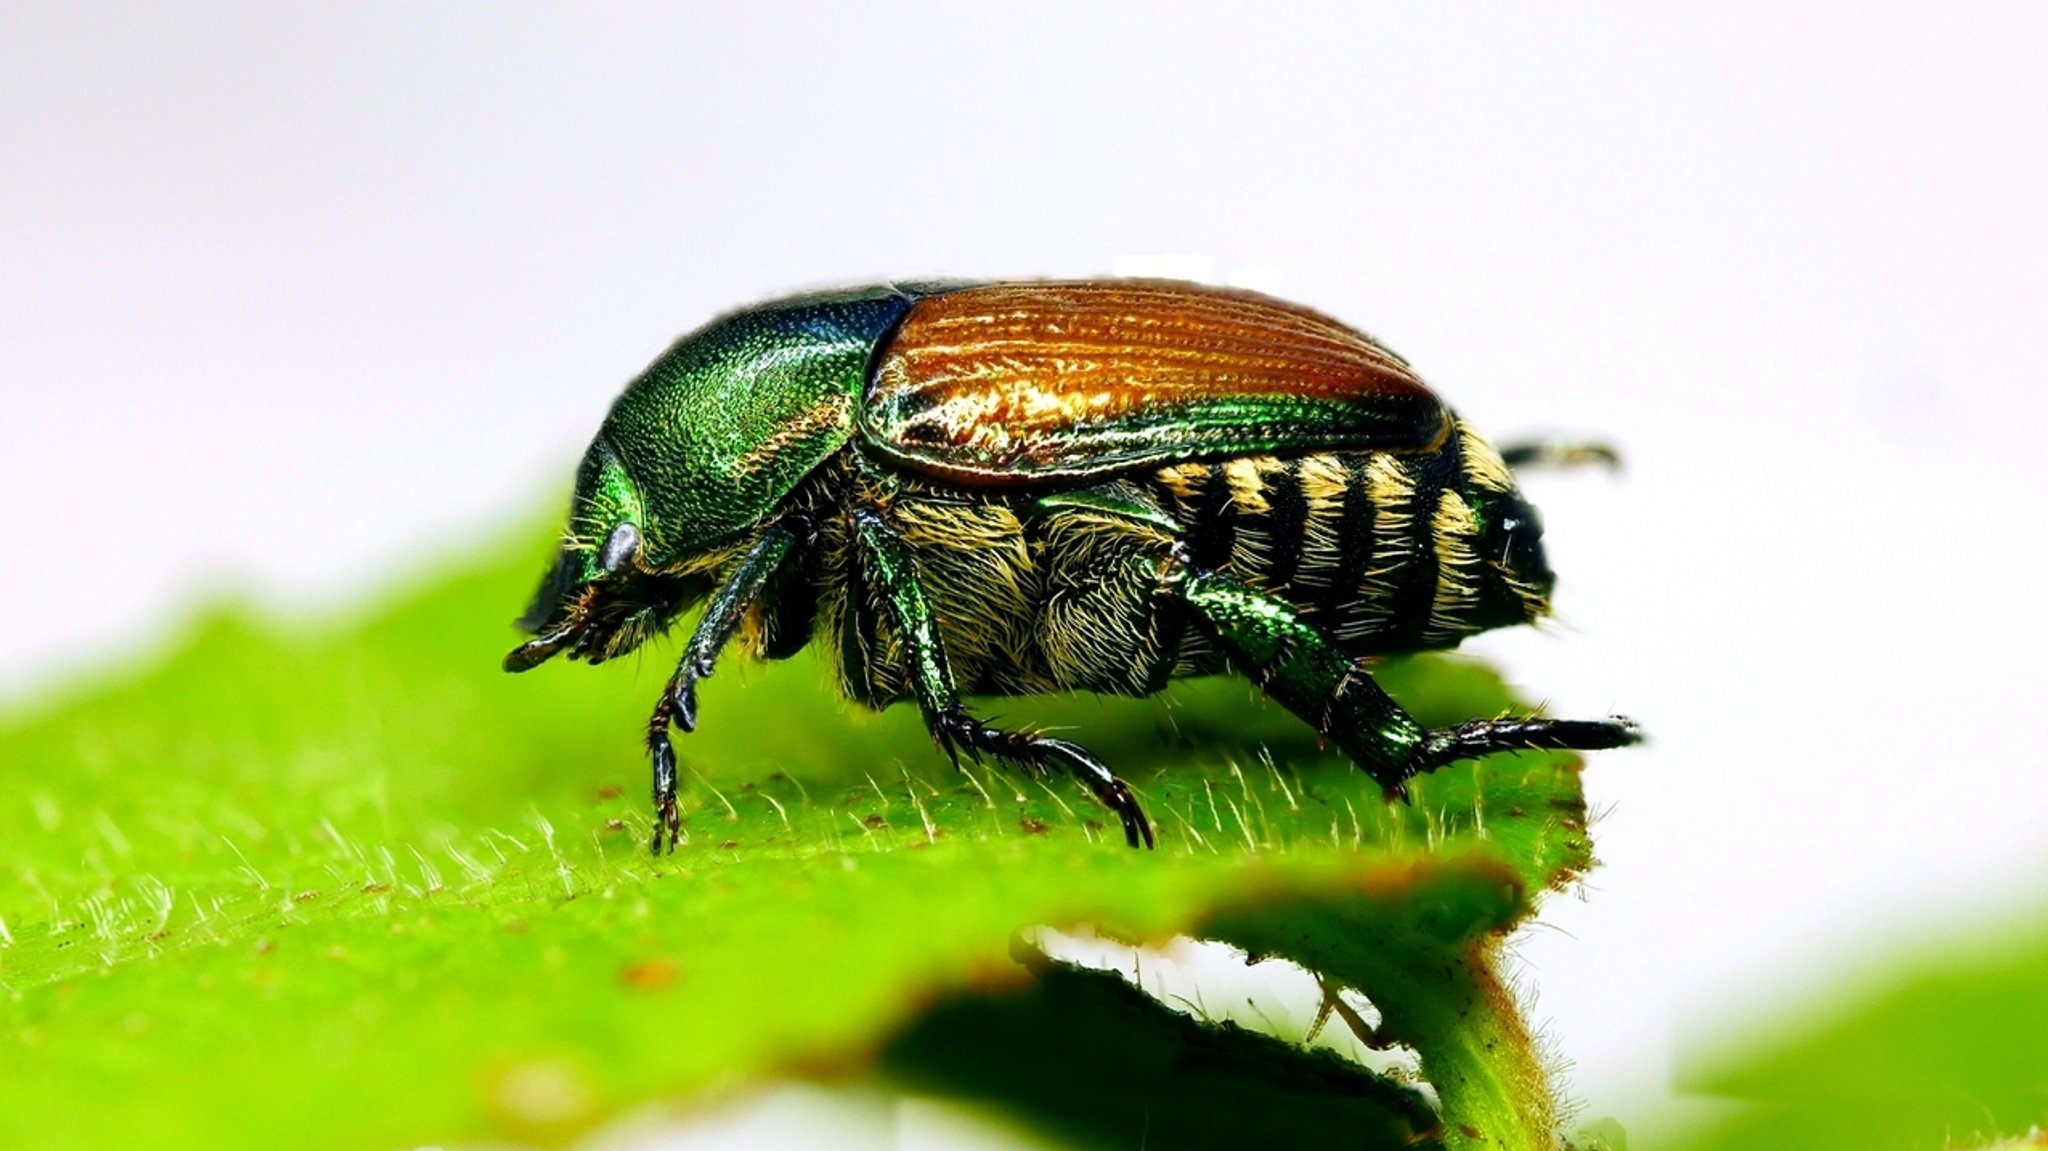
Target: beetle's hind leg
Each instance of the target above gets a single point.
(1559, 453)
(888, 569)
(1313, 677)
(1509, 733)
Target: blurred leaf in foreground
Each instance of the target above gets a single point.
(350, 887)
(1949, 1050)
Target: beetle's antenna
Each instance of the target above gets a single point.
(555, 586)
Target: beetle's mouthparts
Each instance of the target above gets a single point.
(567, 628)
(539, 649)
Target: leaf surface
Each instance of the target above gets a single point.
(345, 885)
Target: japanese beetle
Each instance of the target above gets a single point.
(1016, 488)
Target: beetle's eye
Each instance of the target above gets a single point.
(619, 547)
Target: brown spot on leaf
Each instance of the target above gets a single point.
(650, 974)
(1033, 826)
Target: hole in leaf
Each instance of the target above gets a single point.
(1217, 983)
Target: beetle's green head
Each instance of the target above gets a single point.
(698, 455)
(596, 600)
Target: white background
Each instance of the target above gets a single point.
(300, 298)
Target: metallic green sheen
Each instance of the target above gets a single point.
(608, 498)
(739, 460)
(605, 497)
(1308, 673)
(732, 418)
(1208, 428)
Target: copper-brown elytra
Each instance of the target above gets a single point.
(1034, 487)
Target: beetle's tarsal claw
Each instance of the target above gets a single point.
(1478, 737)
(1625, 731)
(1111, 792)
(1136, 826)
(667, 819)
(667, 816)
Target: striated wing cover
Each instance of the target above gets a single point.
(1026, 382)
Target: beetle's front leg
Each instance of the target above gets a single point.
(722, 616)
(1311, 676)
(889, 569)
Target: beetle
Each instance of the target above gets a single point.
(1025, 487)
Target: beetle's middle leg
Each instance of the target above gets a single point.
(722, 617)
(888, 567)
(1313, 677)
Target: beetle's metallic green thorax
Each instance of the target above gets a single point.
(696, 453)
(731, 419)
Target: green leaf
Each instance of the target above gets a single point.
(1946, 1049)
(348, 886)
